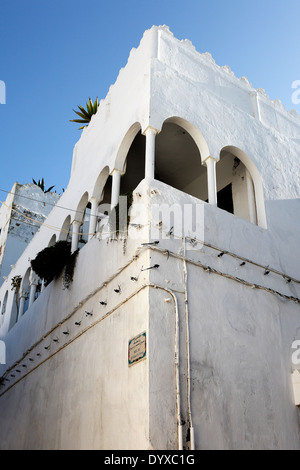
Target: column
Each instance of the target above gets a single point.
(251, 198)
(93, 217)
(150, 134)
(75, 235)
(33, 282)
(210, 163)
(115, 190)
(23, 296)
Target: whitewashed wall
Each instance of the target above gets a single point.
(241, 321)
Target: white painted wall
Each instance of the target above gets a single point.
(80, 393)
(21, 215)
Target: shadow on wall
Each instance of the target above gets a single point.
(284, 226)
(284, 216)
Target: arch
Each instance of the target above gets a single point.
(14, 313)
(100, 184)
(3, 308)
(24, 290)
(4, 303)
(254, 194)
(178, 160)
(125, 146)
(81, 227)
(79, 216)
(196, 135)
(25, 281)
(52, 240)
(65, 230)
(134, 164)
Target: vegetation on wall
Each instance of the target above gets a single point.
(41, 184)
(86, 114)
(50, 262)
(16, 283)
(69, 269)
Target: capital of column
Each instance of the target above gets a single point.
(115, 189)
(76, 224)
(117, 171)
(93, 200)
(23, 294)
(209, 159)
(33, 279)
(151, 131)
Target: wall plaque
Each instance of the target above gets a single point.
(137, 348)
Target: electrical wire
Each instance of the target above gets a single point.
(43, 224)
(228, 276)
(194, 239)
(41, 202)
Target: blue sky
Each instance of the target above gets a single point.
(54, 54)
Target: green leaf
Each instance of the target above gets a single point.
(79, 120)
(83, 111)
(84, 116)
(49, 189)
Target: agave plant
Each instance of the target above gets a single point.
(41, 184)
(86, 114)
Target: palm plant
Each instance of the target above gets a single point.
(86, 114)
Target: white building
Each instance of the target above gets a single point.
(182, 334)
(21, 215)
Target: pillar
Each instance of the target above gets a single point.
(23, 296)
(251, 198)
(150, 134)
(75, 235)
(115, 190)
(210, 163)
(93, 217)
(33, 282)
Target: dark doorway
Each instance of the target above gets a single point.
(225, 201)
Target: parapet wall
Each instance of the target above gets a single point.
(201, 69)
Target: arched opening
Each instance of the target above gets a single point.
(52, 240)
(178, 159)
(101, 185)
(4, 303)
(24, 292)
(83, 217)
(106, 194)
(3, 308)
(239, 186)
(134, 165)
(14, 314)
(101, 200)
(65, 233)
